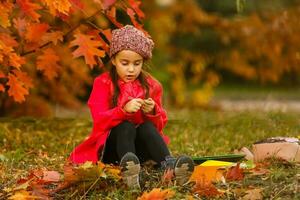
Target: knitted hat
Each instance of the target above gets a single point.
(130, 38)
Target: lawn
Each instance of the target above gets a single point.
(28, 144)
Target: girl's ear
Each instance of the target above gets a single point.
(113, 61)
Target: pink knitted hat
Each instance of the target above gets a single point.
(130, 38)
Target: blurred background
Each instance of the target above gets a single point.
(209, 54)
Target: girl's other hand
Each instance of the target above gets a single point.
(133, 105)
(148, 105)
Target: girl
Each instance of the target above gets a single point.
(127, 113)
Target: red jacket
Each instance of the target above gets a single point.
(105, 117)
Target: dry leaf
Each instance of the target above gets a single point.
(157, 194)
(207, 174)
(235, 173)
(253, 194)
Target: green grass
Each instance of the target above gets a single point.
(256, 92)
(35, 143)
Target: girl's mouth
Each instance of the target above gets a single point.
(130, 77)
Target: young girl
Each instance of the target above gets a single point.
(127, 113)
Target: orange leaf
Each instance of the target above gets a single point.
(22, 76)
(207, 174)
(111, 15)
(157, 194)
(36, 31)
(135, 4)
(235, 173)
(53, 37)
(16, 60)
(16, 88)
(131, 14)
(2, 74)
(8, 40)
(30, 9)
(55, 7)
(20, 24)
(77, 4)
(107, 34)
(87, 47)
(6, 9)
(2, 88)
(206, 189)
(108, 3)
(104, 45)
(48, 63)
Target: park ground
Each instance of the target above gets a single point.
(28, 144)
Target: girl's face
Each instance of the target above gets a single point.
(128, 64)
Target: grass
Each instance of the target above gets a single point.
(28, 143)
(245, 91)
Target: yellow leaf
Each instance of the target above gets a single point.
(22, 195)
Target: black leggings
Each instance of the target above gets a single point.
(144, 141)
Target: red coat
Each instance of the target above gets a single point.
(105, 117)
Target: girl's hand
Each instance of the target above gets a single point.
(148, 105)
(133, 105)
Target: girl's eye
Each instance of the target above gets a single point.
(124, 63)
(137, 63)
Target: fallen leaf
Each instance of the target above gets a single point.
(22, 195)
(207, 174)
(253, 194)
(157, 194)
(206, 189)
(235, 173)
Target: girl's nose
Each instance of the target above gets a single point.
(130, 68)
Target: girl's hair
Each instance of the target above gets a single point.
(114, 77)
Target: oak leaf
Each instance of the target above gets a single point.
(29, 9)
(53, 37)
(47, 62)
(87, 47)
(135, 4)
(36, 31)
(235, 173)
(6, 9)
(20, 24)
(206, 189)
(17, 90)
(61, 6)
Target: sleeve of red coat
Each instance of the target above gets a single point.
(159, 119)
(103, 115)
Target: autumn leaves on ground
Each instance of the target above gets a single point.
(33, 160)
